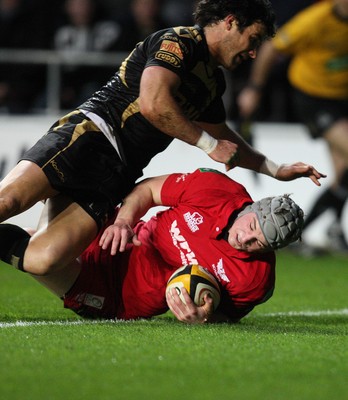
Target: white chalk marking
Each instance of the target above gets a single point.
(16, 324)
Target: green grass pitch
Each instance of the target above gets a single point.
(293, 347)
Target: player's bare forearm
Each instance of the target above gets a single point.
(144, 196)
(246, 157)
(249, 158)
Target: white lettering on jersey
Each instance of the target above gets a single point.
(182, 177)
(193, 220)
(186, 254)
(220, 271)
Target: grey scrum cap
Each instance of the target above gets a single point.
(280, 219)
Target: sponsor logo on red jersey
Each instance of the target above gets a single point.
(186, 254)
(193, 220)
(220, 271)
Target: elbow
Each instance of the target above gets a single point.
(154, 111)
(147, 108)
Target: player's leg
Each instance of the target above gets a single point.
(58, 282)
(59, 277)
(336, 236)
(337, 137)
(25, 185)
(333, 197)
(68, 232)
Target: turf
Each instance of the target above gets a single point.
(293, 347)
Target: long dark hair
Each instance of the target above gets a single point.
(246, 13)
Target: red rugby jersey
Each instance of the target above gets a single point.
(190, 232)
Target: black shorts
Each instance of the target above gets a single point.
(319, 114)
(80, 162)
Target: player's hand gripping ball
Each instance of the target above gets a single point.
(197, 281)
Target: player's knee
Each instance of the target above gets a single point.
(42, 263)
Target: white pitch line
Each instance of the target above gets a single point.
(52, 323)
(17, 324)
(344, 311)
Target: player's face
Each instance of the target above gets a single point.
(245, 234)
(237, 47)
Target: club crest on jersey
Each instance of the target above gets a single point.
(193, 220)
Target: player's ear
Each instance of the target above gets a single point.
(229, 21)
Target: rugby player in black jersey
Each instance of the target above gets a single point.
(170, 86)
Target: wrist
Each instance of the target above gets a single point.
(206, 142)
(124, 221)
(268, 167)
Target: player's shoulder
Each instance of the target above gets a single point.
(209, 174)
(212, 174)
(204, 170)
(181, 46)
(205, 178)
(201, 177)
(187, 38)
(213, 179)
(191, 33)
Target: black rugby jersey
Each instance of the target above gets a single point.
(184, 51)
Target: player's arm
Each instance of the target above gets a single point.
(158, 105)
(249, 98)
(250, 158)
(145, 195)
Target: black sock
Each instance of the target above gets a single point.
(344, 179)
(342, 193)
(13, 243)
(329, 199)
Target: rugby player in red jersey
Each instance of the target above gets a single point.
(211, 220)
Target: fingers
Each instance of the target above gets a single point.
(226, 150)
(173, 302)
(105, 240)
(208, 307)
(136, 241)
(111, 238)
(314, 175)
(290, 172)
(314, 179)
(185, 310)
(233, 161)
(117, 236)
(179, 306)
(317, 174)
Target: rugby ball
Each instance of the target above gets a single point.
(197, 281)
